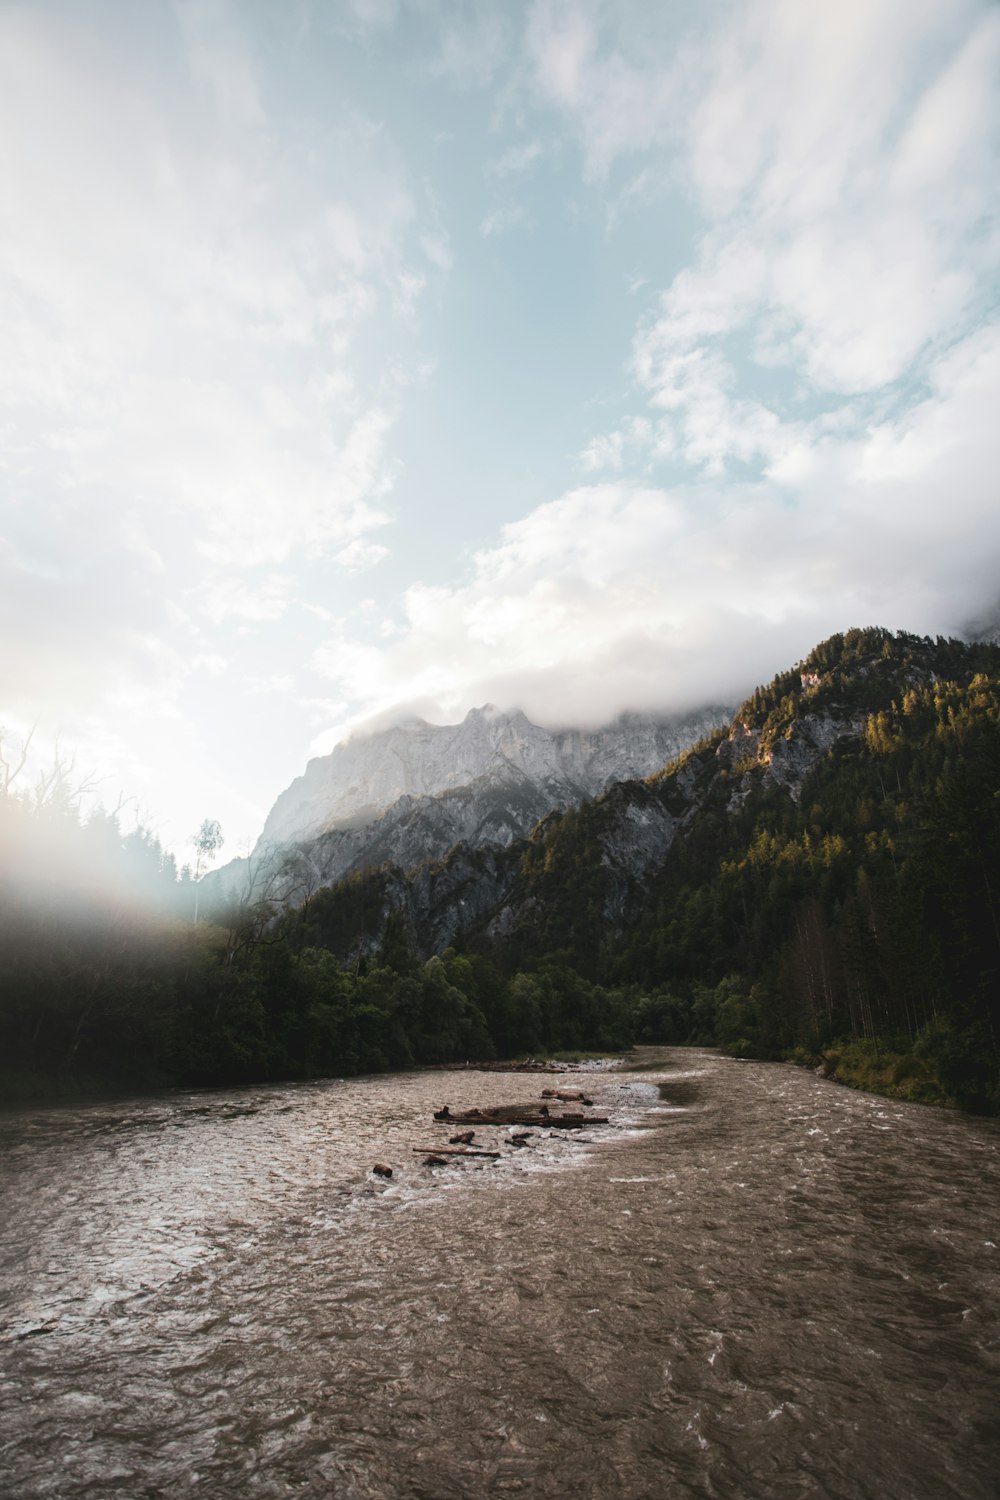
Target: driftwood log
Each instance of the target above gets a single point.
(558, 1122)
(447, 1151)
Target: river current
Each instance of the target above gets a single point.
(752, 1283)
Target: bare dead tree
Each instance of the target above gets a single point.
(60, 783)
(10, 769)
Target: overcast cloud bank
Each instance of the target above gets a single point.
(239, 259)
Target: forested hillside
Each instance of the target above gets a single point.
(820, 880)
(860, 901)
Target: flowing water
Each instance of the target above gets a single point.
(751, 1284)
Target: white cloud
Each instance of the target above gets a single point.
(603, 452)
(182, 288)
(211, 293)
(438, 250)
(847, 160)
(502, 219)
(236, 598)
(517, 159)
(562, 41)
(622, 596)
(609, 450)
(472, 43)
(615, 104)
(358, 556)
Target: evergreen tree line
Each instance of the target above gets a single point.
(857, 928)
(111, 982)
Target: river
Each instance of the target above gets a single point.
(752, 1283)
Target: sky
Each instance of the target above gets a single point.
(370, 357)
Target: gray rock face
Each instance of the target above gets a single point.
(812, 736)
(788, 761)
(365, 778)
(636, 841)
(411, 793)
(416, 829)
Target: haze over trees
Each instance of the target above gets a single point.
(842, 908)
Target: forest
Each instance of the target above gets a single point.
(850, 923)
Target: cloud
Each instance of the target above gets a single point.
(609, 450)
(616, 104)
(517, 159)
(511, 166)
(620, 595)
(183, 284)
(438, 250)
(237, 598)
(472, 43)
(845, 163)
(212, 300)
(502, 219)
(562, 43)
(358, 556)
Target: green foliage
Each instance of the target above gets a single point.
(900, 1074)
(858, 925)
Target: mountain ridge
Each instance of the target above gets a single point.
(363, 777)
(410, 793)
(600, 861)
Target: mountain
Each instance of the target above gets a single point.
(616, 843)
(818, 878)
(412, 792)
(825, 868)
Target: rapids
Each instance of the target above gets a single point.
(753, 1283)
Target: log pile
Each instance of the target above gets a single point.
(521, 1115)
(529, 1117)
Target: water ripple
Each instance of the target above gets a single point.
(753, 1283)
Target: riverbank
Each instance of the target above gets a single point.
(929, 1073)
(894, 1075)
(856, 1064)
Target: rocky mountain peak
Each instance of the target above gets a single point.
(492, 751)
